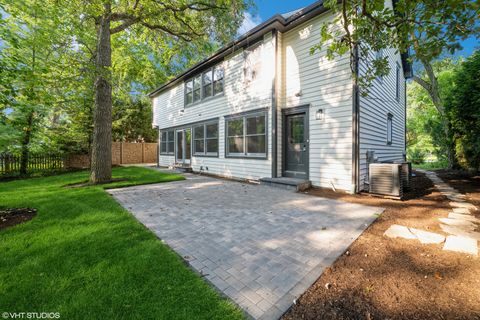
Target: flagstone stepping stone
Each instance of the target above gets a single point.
(458, 222)
(398, 231)
(457, 204)
(425, 237)
(454, 215)
(460, 231)
(461, 244)
(461, 210)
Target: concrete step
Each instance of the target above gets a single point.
(287, 183)
(182, 168)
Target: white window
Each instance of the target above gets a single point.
(389, 129)
(247, 136)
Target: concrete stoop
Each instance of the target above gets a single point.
(287, 183)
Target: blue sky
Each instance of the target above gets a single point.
(267, 8)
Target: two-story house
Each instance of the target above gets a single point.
(264, 107)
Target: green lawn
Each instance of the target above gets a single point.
(87, 258)
(431, 165)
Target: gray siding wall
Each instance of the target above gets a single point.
(374, 110)
(238, 97)
(322, 84)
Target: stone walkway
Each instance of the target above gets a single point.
(460, 224)
(260, 246)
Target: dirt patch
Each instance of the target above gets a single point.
(11, 217)
(383, 278)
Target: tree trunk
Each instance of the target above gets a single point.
(433, 90)
(101, 166)
(26, 144)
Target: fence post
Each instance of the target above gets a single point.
(143, 152)
(121, 152)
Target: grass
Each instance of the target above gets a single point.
(86, 257)
(431, 165)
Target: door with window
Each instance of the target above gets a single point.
(183, 146)
(296, 145)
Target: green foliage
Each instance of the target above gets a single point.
(416, 155)
(463, 109)
(424, 123)
(429, 27)
(58, 89)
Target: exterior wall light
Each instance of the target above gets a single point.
(319, 115)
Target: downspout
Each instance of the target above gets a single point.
(274, 109)
(356, 127)
(405, 127)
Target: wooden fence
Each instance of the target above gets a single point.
(10, 163)
(122, 153)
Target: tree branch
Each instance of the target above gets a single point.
(127, 23)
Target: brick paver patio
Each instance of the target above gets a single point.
(260, 246)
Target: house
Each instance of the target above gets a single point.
(264, 107)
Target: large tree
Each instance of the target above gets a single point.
(427, 28)
(170, 22)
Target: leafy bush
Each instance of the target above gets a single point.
(416, 156)
(463, 107)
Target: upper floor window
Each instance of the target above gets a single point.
(207, 84)
(379, 56)
(389, 129)
(397, 83)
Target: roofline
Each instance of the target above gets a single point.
(277, 22)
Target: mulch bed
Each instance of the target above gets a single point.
(383, 278)
(13, 216)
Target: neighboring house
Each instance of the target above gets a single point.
(264, 107)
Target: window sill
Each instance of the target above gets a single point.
(243, 156)
(205, 155)
(218, 95)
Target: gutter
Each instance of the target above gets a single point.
(277, 22)
(356, 127)
(274, 109)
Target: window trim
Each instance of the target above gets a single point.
(205, 153)
(167, 142)
(389, 132)
(202, 86)
(244, 116)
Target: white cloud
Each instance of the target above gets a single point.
(249, 22)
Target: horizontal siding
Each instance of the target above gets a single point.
(374, 109)
(323, 84)
(238, 97)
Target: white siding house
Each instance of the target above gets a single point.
(264, 107)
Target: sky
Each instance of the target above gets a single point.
(268, 8)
